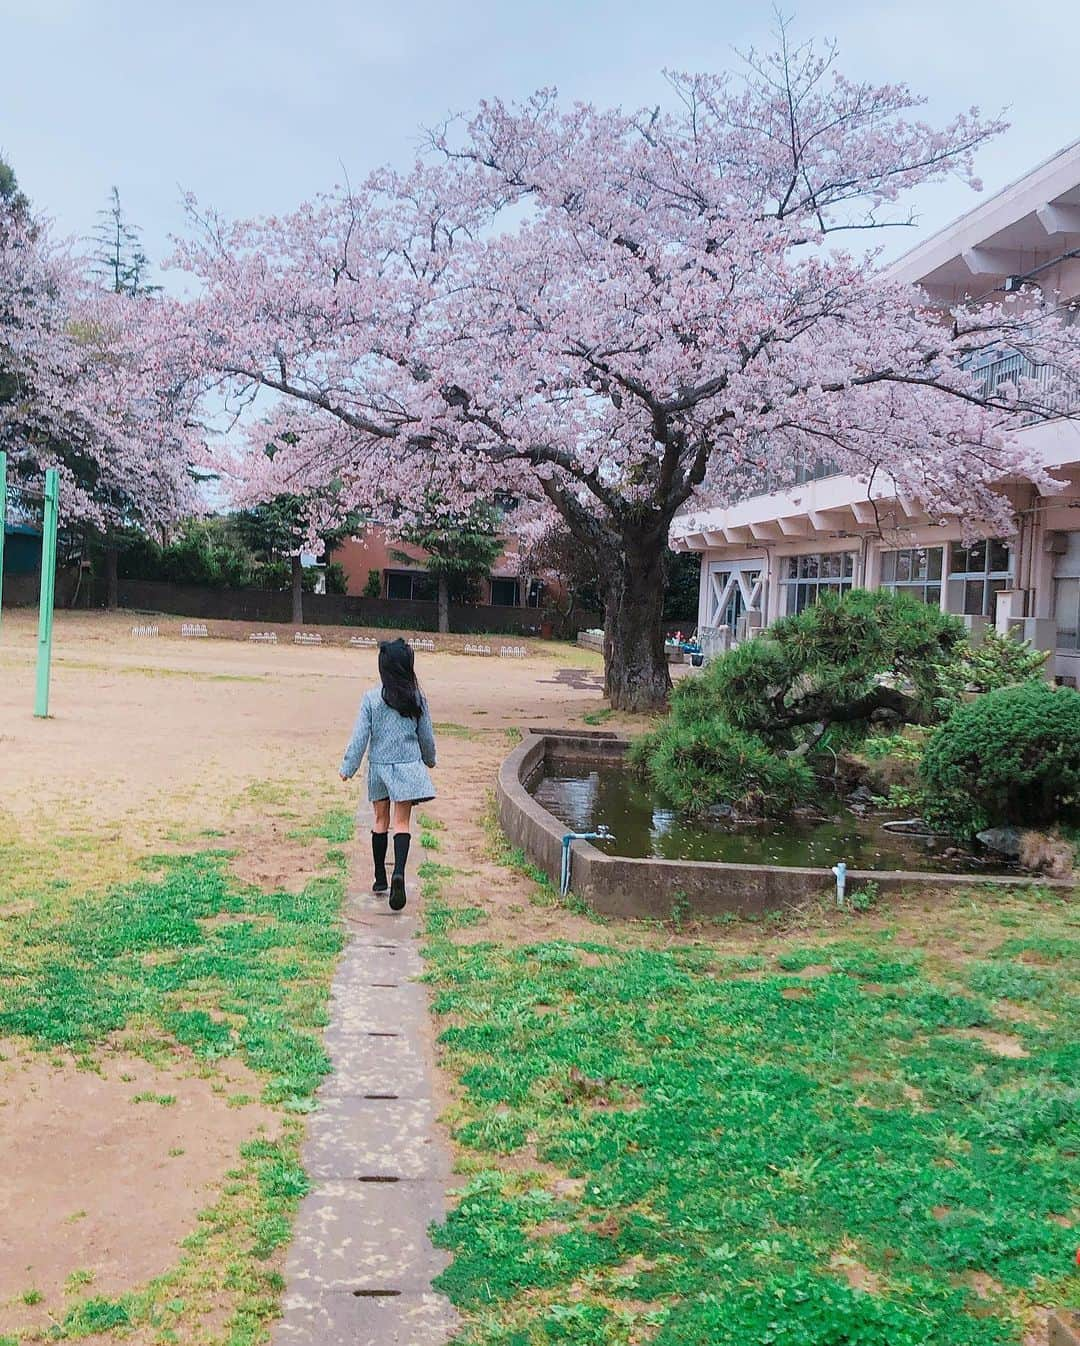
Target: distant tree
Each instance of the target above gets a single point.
(283, 528)
(461, 545)
(15, 203)
(119, 262)
(557, 557)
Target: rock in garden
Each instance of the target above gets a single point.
(1004, 840)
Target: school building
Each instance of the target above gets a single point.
(773, 553)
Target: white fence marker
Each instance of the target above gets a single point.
(144, 631)
(306, 638)
(512, 651)
(194, 629)
(264, 637)
(424, 644)
(364, 642)
(477, 649)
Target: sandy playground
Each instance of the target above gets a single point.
(155, 744)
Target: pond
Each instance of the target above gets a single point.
(585, 796)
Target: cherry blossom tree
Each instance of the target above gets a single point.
(83, 390)
(620, 317)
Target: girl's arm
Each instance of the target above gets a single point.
(425, 734)
(361, 736)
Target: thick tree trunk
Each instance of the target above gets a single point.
(112, 577)
(636, 670)
(444, 605)
(297, 592)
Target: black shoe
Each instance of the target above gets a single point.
(380, 886)
(398, 896)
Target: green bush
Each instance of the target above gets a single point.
(336, 580)
(373, 587)
(706, 762)
(1012, 756)
(748, 729)
(999, 661)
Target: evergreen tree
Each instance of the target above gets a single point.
(280, 529)
(119, 262)
(461, 546)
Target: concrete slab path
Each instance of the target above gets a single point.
(360, 1266)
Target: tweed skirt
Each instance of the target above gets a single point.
(401, 782)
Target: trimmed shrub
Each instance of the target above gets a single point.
(707, 762)
(748, 729)
(1011, 757)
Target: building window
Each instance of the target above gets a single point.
(977, 574)
(505, 593)
(412, 586)
(1067, 595)
(1067, 613)
(915, 571)
(806, 576)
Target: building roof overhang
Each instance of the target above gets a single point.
(1030, 224)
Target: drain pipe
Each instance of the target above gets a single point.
(840, 870)
(568, 840)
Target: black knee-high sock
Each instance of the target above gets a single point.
(379, 843)
(401, 851)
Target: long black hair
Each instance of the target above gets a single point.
(397, 668)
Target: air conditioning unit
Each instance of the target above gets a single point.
(1056, 544)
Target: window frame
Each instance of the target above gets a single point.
(993, 581)
(919, 585)
(504, 579)
(391, 574)
(810, 573)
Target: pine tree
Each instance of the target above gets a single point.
(120, 263)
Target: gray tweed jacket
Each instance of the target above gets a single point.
(391, 738)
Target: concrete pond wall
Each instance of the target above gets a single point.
(616, 885)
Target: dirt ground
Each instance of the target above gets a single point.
(156, 744)
(104, 1172)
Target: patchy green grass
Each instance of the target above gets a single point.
(545, 893)
(821, 1143)
(449, 730)
(188, 961)
(598, 716)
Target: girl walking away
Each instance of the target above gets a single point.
(394, 728)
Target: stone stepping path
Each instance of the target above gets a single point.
(360, 1266)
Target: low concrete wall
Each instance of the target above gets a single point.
(615, 885)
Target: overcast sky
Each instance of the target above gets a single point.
(254, 106)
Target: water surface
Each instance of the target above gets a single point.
(584, 796)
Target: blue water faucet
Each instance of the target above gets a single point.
(601, 834)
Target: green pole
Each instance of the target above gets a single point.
(48, 591)
(3, 525)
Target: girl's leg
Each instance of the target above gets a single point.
(379, 829)
(402, 839)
